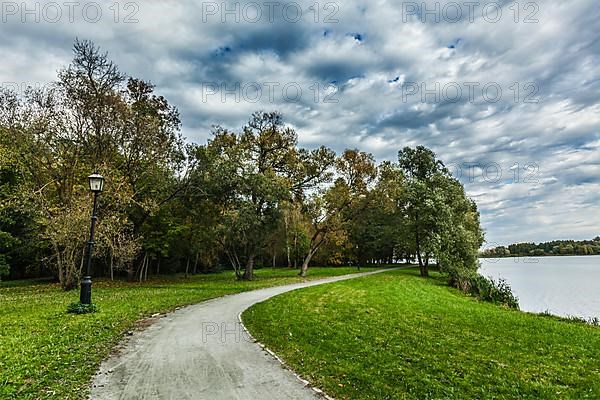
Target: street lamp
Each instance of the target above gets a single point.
(96, 183)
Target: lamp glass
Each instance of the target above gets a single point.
(96, 182)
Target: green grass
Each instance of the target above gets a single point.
(397, 336)
(47, 353)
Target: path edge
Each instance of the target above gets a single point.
(286, 366)
(305, 382)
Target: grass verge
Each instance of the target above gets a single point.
(397, 336)
(46, 352)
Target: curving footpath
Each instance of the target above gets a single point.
(202, 352)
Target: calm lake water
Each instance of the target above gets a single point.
(566, 286)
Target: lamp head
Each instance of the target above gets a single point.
(96, 182)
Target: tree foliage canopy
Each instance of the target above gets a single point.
(241, 200)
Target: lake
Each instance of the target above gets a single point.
(566, 286)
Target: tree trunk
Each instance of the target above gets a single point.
(287, 243)
(274, 260)
(423, 270)
(130, 272)
(295, 250)
(194, 271)
(235, 263)
(315, 242)
(187, 266)
(158, 266)
(143, 266)
(306, 262)
(423, 266)
(249, 272)
(82, 261)
(146, 269)
(61, 268)
(304, 267)
(112, 275)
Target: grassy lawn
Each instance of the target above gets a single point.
(397, 336)
(47, 353)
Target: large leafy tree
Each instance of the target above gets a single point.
(94, 119)
(18, 229)
(331, 209)
(247, 176)
(442, 221)
(377, 233)
(254, 178)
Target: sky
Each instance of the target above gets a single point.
(506, 93)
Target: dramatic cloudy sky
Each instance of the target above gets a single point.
(505, 93)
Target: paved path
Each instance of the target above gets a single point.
(202, 352)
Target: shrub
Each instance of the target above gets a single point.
(80, 308)
(486, 289)
(495, 292)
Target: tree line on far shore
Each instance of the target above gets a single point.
(552, 248)
(244, 199)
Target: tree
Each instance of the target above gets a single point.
(424, 200)
(247, 174)
(295, 227)
(19, 248)
(461, 236)
(378, 232)
(443, 222)
(115, 238)
(89, 94)
(151, 152)
(95, 119)
(331, 209)
(67, 234)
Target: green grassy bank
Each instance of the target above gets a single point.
(47, 353)
(397, 336)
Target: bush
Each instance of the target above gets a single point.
(485, 289)
(495, 292)
(80, 308)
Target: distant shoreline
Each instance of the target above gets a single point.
(554, 248)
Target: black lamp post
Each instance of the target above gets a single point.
(96, 183)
